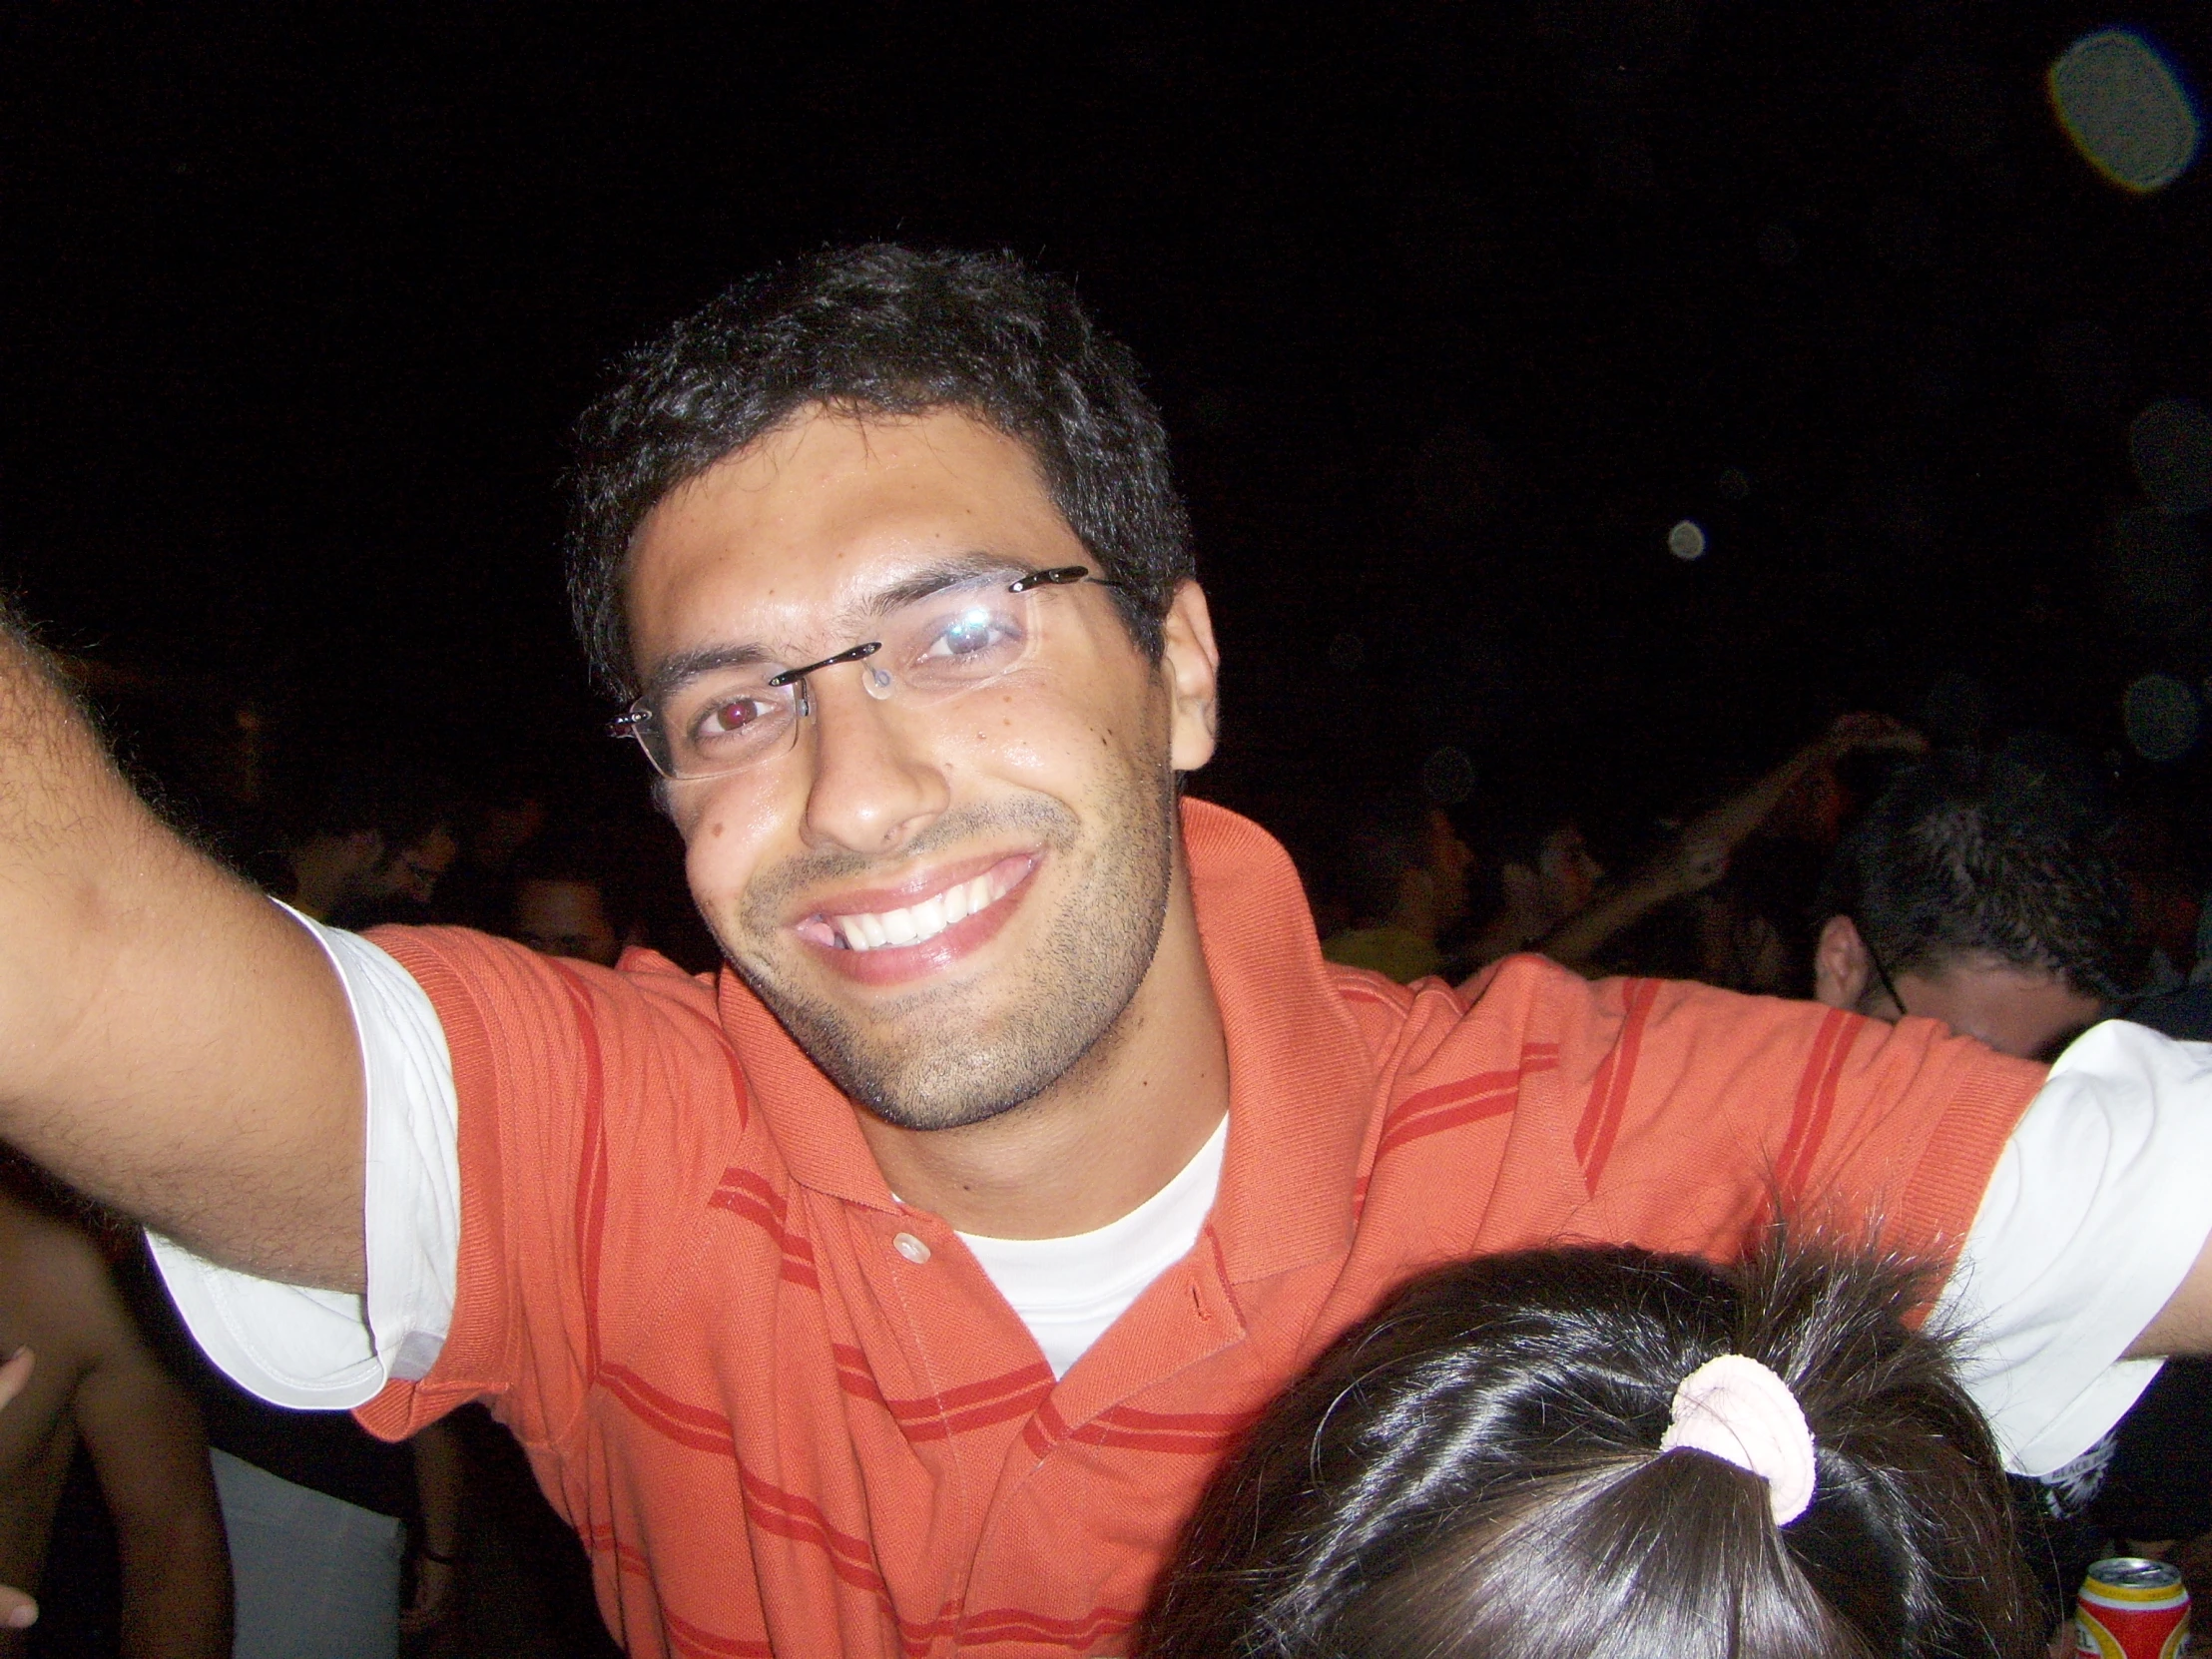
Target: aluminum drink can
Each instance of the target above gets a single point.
(2131, 1608)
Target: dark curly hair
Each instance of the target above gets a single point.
(1475, 1472)
(1971, 854)
(894, 331)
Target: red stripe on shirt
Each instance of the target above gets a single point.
(744, 1193)
(1010, 1625)
(1601, 1119)
(689, 1638)
(1046, 1429)
(591, 1189)
(972, 1406)
(1816, 1101)
(687, 1426)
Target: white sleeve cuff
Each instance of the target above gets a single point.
(322, 1350)
(2098, 1207)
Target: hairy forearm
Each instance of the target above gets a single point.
(169, 1041)
(176, 1590)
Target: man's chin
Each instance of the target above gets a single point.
(898, 1059)
(938, 1090)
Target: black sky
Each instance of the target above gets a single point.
(1453, 309)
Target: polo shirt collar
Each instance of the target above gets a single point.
(1300, 1078)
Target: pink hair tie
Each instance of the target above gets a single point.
(1738, 1411)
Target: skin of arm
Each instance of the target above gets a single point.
(2184, 1325)
(1699, 855)
(1691, 865)
(149, 1452)
(440, 1469)
(170, 1042)
(17, 1609)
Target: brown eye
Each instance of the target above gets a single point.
(734, 716)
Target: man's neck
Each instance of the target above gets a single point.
(1107, 1136)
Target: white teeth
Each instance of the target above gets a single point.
(925, 920)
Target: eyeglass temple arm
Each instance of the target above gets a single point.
(1882, 973)
(852, 655)
(1059, 577)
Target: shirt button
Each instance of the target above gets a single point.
(911, 1247)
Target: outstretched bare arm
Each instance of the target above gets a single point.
(170, 1041)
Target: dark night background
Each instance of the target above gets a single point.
(1454, 310)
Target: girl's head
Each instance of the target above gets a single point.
(1476, 1471)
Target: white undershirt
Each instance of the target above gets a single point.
(1069, 1291)
(2097, 1208)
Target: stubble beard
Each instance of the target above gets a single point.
(931, 1059)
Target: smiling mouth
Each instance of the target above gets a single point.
(923, 921)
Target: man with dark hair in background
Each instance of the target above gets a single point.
(896, 1293)
(373, 849)
(1970, 892)
(1403, 870)
(571, 898)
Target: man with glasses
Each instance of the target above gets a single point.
(896, 1294)
(1972, 892)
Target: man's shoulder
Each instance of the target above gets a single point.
(1527, 1008)
(1428, 1033)
(521, 1024)
(643, 985)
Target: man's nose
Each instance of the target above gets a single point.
(875, 781)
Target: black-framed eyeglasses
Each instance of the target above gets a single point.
(950, 642)
(1881, 974)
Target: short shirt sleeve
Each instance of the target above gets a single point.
(2098, 1206)
(323, 1349)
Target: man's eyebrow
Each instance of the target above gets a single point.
(917, 583)
(958, 570)
(672, 672)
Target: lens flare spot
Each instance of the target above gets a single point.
(2171, 446)
(2161, 715)
(1686, 541)
(2126, 110)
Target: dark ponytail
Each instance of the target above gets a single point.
(1475, 1472)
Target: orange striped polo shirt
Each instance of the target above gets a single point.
(779, 1426)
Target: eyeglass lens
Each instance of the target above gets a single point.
(725, 720)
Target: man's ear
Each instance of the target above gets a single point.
(1191, 663)
(1841, 966)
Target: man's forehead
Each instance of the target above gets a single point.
(816, 515)
(2013, 1008)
